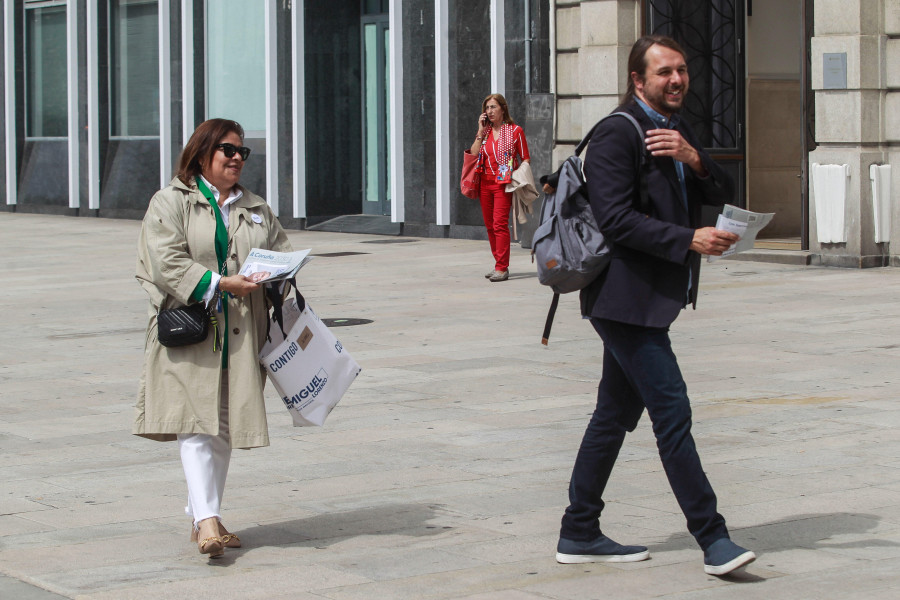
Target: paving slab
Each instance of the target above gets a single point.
(443, 472)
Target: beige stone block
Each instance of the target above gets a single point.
(600, 68)
(848, 17)
(594, 108)
(892, 17)
(892, 119)
(568, 77)
(560, 153)
(849, 117)
(568, 28)
(865, 59)
(608, 22)
(568, 121)
(892, 63)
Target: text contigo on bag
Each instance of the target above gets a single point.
(309, 367)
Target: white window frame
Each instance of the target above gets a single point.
(498, 47)
(395, 24)
(93, 105)
(442, 111)
(9, 100)
(163, 14)
(298, 107)
(187, 71)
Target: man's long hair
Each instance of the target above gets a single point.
(637, 60)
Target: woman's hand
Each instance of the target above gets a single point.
(483, 129)
(483, 124)
(237, 285)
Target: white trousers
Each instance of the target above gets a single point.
(205, 459)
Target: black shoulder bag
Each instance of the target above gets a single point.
(182, 326)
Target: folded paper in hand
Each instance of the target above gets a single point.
(744, 223)
(264, 266)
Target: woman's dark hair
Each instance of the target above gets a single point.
(202, 145)
(503, 105)
(637, 60)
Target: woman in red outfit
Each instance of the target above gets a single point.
(503, 148)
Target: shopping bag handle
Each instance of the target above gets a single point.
(275, 295)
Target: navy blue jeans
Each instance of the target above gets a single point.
(640, 371)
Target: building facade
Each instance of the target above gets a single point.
(351, 107)
(784, 93)
(358, 111)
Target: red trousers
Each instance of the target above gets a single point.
(495, 206)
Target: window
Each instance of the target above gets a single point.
(235, 63)
(375, 7)
(46, 113)
(134, 68)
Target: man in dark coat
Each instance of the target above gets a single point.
(653, 274)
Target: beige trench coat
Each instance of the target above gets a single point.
(179, 388)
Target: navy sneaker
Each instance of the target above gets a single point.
(602, 549)
(724, 556)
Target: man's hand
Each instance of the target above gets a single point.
(237, 285)
(669, 142)
(712, 241)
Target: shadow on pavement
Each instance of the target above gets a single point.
(809, 531)
(321, 531)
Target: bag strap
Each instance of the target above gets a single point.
(545, 337)
(275, 298)
(644, 161)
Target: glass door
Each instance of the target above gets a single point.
(376, 115)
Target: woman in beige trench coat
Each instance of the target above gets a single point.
(207, 396)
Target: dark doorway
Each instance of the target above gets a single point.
(711, 32)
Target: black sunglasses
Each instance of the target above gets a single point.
(230, 149)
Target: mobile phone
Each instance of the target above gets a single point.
(484, 120)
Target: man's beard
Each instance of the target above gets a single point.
(662, 99)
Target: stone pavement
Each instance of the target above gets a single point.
(443, 473)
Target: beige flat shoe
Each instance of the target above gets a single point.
(207, 542)
(229, 540)
(499, 276)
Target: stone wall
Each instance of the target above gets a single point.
(855, 126)
(593, 39)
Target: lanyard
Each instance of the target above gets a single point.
(222, 244)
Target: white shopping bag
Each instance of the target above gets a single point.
(309, 368)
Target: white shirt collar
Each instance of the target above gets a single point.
(236, 193)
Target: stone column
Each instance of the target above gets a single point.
(593, 39)
(850, 123)
(892, 116)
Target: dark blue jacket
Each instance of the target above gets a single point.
(647, 280)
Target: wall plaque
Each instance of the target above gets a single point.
(834, 71)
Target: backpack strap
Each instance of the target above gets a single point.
(644, 164)
(545, 337)
(644, 161)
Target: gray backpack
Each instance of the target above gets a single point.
(569, 249)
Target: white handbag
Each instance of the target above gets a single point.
(309, 367)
